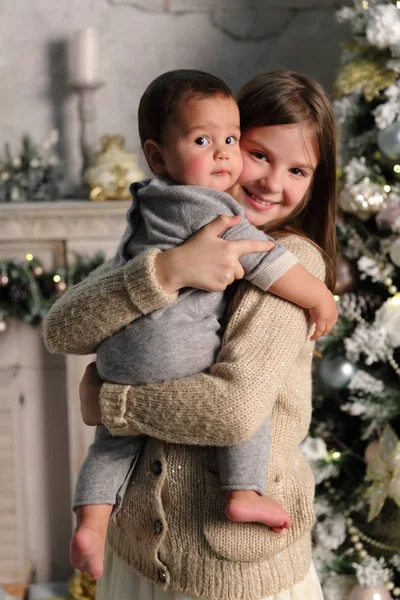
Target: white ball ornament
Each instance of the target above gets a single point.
(394, 252)
(336, 371)
(3, 326)
(373, 592)
(389, 140)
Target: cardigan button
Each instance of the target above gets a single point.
(156, 467)
(158, 526)
(162, 576)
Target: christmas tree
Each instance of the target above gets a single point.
(354, 447)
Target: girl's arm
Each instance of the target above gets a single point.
(228, 404)
(104, 303)
(109, 299)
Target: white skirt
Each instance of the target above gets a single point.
(119, 582)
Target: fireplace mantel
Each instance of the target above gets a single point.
(63, 220)
(42, 437)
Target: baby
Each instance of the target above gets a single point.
(190, 129)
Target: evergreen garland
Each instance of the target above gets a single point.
(33, 175)
(27, 290)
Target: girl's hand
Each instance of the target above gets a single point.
(206, 261)
(89, 392)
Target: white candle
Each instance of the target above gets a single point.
(85, 57)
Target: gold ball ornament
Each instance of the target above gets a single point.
(363, 199)
(373, 592)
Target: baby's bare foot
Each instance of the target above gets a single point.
(248, 506)
(86, 551)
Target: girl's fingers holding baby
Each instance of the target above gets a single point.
(206, 261)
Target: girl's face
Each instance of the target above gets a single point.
(278, 166)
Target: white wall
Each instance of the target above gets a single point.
(233, 39)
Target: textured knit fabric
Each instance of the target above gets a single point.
(178, 340)
(171, 528)
(121, 583)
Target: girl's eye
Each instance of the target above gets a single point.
(259, 155)
(201, 141)
(230, 140)
(298, 172)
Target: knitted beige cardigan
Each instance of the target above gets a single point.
(172, 528)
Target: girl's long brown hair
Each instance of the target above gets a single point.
(283, 97)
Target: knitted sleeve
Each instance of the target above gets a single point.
(102, 304)
(229, 403)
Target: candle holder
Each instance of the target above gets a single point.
(87, 118)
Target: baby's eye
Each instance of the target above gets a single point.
(230, 140)
(201, 141)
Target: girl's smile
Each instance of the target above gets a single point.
(278, 166)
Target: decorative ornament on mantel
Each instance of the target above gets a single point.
(112, 170)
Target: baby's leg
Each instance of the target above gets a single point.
(243, 470)
(86, 550)
(100, 488)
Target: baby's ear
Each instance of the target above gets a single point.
(154, 157)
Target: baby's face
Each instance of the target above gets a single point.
(201, 145)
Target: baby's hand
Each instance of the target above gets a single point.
(324, 316)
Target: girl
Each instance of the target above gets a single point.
(171, 528)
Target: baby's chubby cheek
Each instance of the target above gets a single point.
(195, 170)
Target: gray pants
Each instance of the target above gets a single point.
(111, 460)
